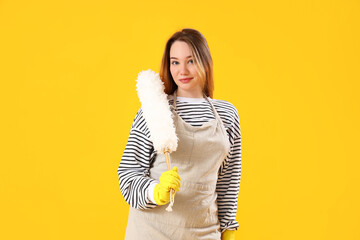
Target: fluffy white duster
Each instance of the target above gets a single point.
(156, 111)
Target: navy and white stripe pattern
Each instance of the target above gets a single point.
(139, 154)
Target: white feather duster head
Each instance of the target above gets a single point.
(156, 111)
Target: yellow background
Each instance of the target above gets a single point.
(68, 99)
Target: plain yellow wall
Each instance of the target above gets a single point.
(68, 99)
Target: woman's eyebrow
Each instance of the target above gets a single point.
(176, 58)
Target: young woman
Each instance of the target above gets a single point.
(207, 171)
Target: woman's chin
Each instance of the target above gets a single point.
(185, 88)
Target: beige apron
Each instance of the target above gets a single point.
(200, 153)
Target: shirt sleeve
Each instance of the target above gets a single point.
(133, 171)
(228, 183)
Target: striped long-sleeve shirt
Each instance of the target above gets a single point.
(139, 153)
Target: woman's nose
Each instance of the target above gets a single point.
(184, 69)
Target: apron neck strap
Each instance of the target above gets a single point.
(212, 106)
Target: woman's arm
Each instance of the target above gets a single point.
(133, 170)
(228, 183)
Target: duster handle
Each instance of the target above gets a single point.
(167, 157)
(172, 191)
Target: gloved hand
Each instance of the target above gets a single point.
(228, 235)
(168, 180)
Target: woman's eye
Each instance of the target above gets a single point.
(176, 62)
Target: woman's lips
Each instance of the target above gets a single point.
(185, 80)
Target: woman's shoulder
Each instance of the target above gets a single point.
(229, 115)
(224, 106)
(139, 122)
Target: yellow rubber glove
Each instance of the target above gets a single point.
(168, 180)
(228, 235)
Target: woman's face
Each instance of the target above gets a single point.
(183, 70)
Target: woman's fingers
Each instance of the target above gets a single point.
(171, 179)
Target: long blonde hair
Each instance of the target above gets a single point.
(200, 51)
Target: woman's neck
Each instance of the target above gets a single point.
(189, 94)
